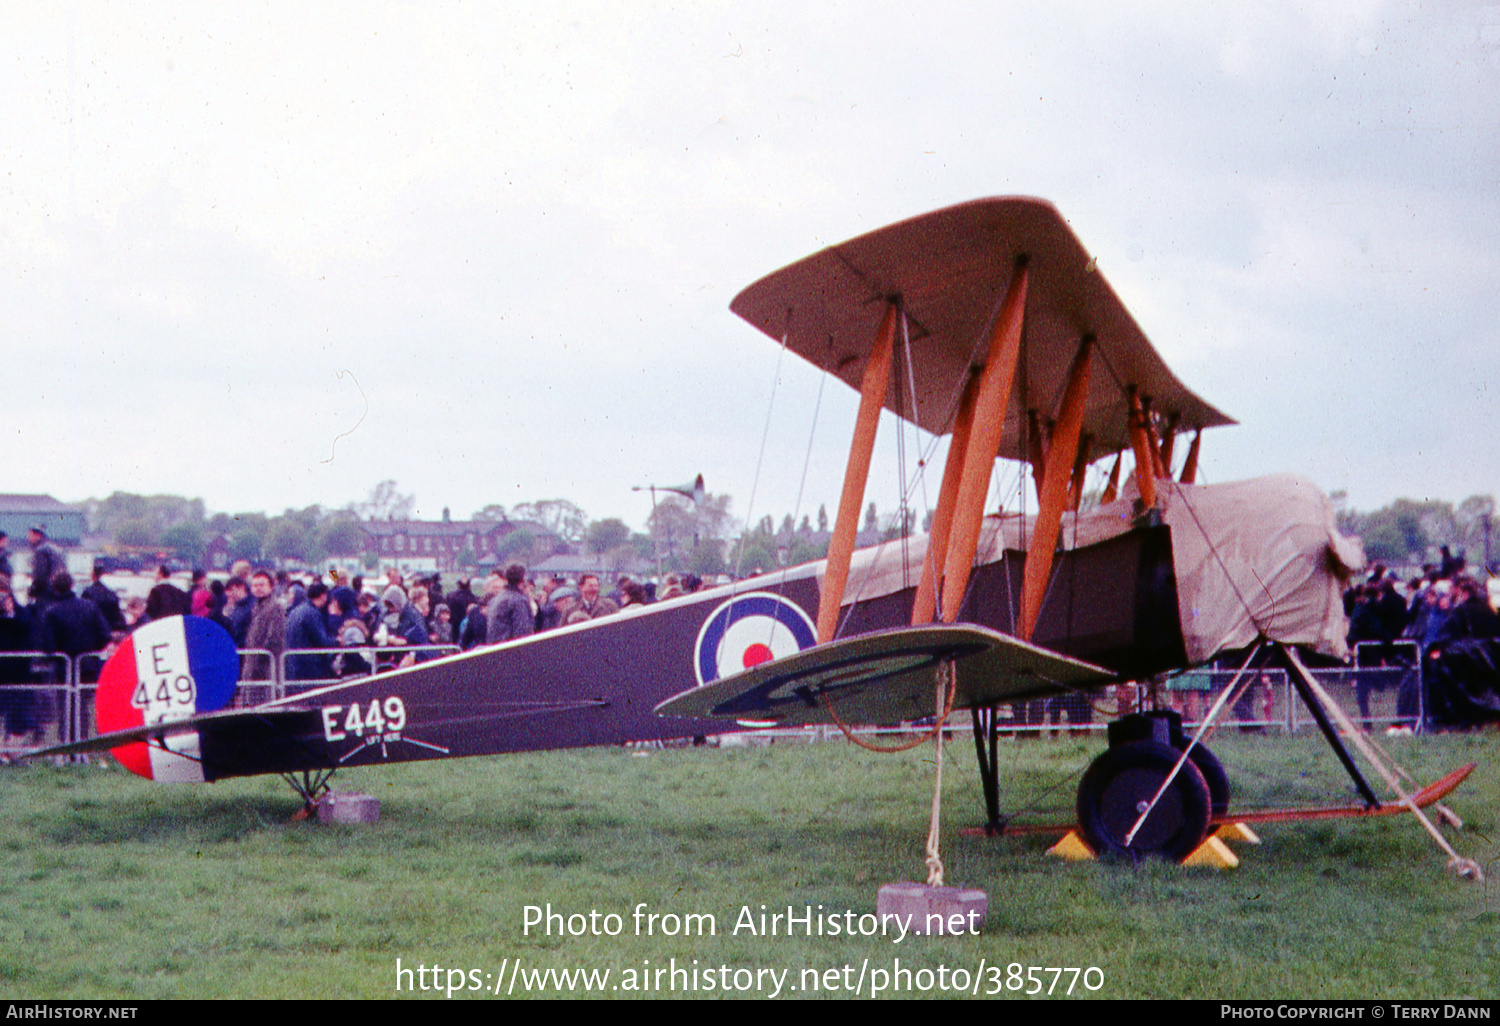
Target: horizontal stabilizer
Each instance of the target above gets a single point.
(164, 729)
(888, 677)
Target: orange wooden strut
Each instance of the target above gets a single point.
(1145, 470)
(984, 443)
(841, 547)
(1190, 465)
(1054, 490)
(925, 604)
(1080, 468)
(1112, 489)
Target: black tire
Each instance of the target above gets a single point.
(1213, 775)
(1117, 786)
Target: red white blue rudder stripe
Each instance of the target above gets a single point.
(167, 670)
(748, 630)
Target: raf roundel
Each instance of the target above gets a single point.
(748, 630)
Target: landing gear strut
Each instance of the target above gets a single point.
(311, 787)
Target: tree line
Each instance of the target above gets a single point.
(698, 537)
(703, 538)
(1410, 532)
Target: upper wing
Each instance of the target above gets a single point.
(888, 677)
(951, 268)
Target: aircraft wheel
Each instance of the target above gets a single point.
(1118, 786)
(1213, 775)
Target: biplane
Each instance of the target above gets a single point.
(987, 322)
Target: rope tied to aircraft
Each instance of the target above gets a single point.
(944, 694)
(945, 709)
(934, 859)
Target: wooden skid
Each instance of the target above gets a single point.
(1429, 795)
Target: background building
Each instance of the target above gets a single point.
(20, 513)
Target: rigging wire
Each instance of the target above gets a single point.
(901, 505)
(765, 434)
(812, 433)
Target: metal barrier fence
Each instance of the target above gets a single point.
(1382, 688)
(1376, 695)
(47, 697)
(37, 698)
(299, 669)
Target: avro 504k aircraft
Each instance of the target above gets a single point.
(988, 321)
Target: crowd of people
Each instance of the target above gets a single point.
(53, 619)
(346, 625)
(411, 620)
(1451, 632)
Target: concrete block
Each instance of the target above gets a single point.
(955, 911)
(334, 807)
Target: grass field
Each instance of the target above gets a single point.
(114, 887)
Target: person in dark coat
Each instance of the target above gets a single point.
(103, 596)
(459, 600)
(348, 605)
(17, 705)
(237, 611)
(472, 630)
(1462, 660)
(306, 627)
(404, 625)
(509, 614)
(72, 625)
(45, 562)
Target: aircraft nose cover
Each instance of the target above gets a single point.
(167, 670)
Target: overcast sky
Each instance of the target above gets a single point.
(271, 254)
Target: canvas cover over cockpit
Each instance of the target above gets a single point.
(1251, 559)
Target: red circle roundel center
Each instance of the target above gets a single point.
(757, 654)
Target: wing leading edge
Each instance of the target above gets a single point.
(888, 677)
